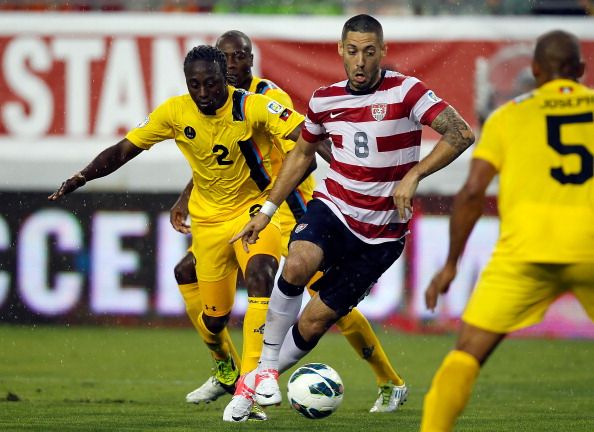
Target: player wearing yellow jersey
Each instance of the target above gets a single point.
(213, 126)
(542, 145)
(238, 50)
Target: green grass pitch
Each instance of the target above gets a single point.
(135, 379)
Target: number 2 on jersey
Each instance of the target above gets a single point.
(221, 156)
(586, 172)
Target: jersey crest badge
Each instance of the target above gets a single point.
(190, 132)
(300, 227)
(379, 111)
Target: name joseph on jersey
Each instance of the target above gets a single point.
(576, 102)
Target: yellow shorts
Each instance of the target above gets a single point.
(511, 295)
(217, 261)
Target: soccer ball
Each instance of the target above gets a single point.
(315, 390)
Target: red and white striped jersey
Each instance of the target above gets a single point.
(376, 136)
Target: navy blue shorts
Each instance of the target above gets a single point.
(350, 266)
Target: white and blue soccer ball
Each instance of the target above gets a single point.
(315, 390)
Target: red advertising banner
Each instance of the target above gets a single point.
(62, 80)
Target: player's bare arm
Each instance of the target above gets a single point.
(456, 136)
(178, 214)
(292, 170)
(106, 162)
(325, 150)
(467, 208)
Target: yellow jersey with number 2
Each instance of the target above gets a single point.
(231, 172)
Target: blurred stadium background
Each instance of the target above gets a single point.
(77, 74)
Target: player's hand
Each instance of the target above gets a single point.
(70, 185)
(403, 195)
(178, 215)
(440, 284)
(249, 234)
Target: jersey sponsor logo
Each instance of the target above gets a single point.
(378, 111)
(190, 132)
(254, 209)
(286, 114)
(275, 107)
(259, 329)
(300, 227)
(143, 123)
(334, 115)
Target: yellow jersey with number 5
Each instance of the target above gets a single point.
(542, 145)
(231, 171)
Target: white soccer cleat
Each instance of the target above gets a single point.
(267, 390)
(208, 392)
(240, 407)
(389, 398)
(223, 381)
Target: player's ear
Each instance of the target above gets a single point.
(384, 49)
(340, 48)
(251, 60)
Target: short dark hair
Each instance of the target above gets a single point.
(239, 35)
(363, 24)
(207, 53)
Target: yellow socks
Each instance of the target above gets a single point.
(355, 327)
(449, 392)
(220, 345)
(253, 332)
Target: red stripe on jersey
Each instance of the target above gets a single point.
(371, 174)
(399, 141)
(357, 199)
(433, 112)
(371, 231)
(413, 95)
(330, 91)
(390, 82)
(362, 114)
(309, 137)
(336, 140)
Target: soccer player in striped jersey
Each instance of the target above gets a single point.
(542, 146)
(238, 49)
(355, 226)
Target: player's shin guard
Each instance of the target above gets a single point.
(449, 392)
(285, 303)
(355, 327)
(191, 295)
(253, 330)
(293, 349)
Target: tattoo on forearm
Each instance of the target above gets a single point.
(454, 129)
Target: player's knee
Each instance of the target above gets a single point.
(259, 275)
(215, 324)
(297, 270)
(185, 270)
